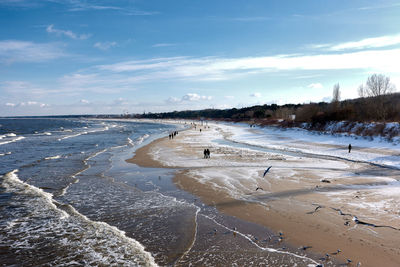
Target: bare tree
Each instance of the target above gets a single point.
(377, 88)
(361, 91)
(336, 93)
(378, 85)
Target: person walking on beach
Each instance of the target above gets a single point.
(349, 148)
(205, 153)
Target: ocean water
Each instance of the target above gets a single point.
(69, 198)
(66, 197)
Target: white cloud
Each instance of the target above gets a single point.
(79, 82)
(68, 33)
(10, 104)
(375, 42)
(82, 6)
(79, 5)
(32, 103)
(213, 68)
(229, 97)
(315, 86)
(195, 97)
(257, 95)
(22, 51)
(18, 3)
(84, 101)
(318, 46)
(105, 45)
(172, 99)
(383, 6)
(17, 89)
(367, 43)
(94, 82)
(189, 97)
(15, 85)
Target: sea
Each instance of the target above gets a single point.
(67, 195)
(69, 198)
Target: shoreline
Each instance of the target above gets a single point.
(299, 227)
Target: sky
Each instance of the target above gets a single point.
(62, 57)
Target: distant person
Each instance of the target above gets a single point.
(349, 148)
(208, 153)
(200, 130)
(205, 153)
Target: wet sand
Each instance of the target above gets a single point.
(308, 212)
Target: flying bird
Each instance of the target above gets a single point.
(267, 170)
(259, 188)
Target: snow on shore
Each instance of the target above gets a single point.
(378, 151)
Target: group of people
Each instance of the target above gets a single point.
(172, 135)
(206, 153)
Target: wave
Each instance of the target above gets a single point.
(141, 139)
(83, 133)
(12, 140)
(130, 142)
(95, 155)
(53, 157)
(138, 141)
(3, 154)
(37, 218)
(44, 133)
(74, 176)
(71, 136)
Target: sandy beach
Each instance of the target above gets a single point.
(335, 204)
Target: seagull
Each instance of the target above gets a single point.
(336, 252)
(267, 170)
(349, 261)
(259, 188)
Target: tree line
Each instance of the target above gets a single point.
(377, 102)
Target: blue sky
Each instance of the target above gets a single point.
(96, 57)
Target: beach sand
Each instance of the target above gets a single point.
(294, 200)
